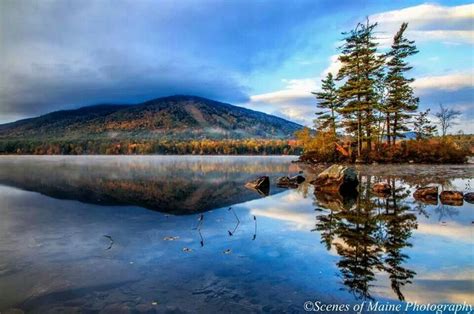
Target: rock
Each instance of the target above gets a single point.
(260, 182)
(428, 194)
(337, 178)
(469, 197)
(381, 188)
(298, 179)
(261, 185)
(451, 195)
(453, 198)
(287, 182)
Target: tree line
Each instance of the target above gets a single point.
(369, 106)
(141, 147)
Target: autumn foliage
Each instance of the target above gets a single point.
(132, 147)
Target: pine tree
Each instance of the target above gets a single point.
(401, 102)
(361, 70)
(422, 125)
(329, 102)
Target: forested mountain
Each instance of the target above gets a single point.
(168, 118)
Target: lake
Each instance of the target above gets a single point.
(181, 234)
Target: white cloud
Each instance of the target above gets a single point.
(334, 65)
(448, 82)
(429, 22)
(295, 100)
(294, 89)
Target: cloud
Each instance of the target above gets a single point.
(60, 54)
(454, 90)
(428, 22)
(295, 101)
(448, 82)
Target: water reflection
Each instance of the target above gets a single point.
(168, 184)
(369, 232)
(256, 255)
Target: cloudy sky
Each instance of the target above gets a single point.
(264, 55)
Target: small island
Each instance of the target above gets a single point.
(372, 114)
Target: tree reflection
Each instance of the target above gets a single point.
(369, 234)
(399, 222)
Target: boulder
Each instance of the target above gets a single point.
(469, 197)
(428, 194)
(381, 188)
(298, 179)
(453, 198)
(337, 178)
(286, 182)
(451, 195)
(260, 184)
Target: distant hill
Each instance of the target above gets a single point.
(168, 118)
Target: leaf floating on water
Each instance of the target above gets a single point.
(228, 251)
(187, 250)
(170, 238)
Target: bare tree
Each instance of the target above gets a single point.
(446, 118)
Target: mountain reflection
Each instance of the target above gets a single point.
(369, 234)
(180, 186)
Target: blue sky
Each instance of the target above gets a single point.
(263, 55)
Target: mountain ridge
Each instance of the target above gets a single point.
(177, 117)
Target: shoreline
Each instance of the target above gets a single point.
(470, 160)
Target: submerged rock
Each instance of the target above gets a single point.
(337, 178)
(292, 182)
(285, 182)
(261, 185)
(453, 198)
(428, 194)
(381, 188)
(469, 197)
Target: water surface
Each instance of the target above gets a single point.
(155, 234)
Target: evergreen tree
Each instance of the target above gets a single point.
(400, 100)
(361, 69)
(329, 102)
(422, 125)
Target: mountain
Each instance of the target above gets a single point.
(167, 118)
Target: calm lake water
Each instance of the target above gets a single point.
(155, 234)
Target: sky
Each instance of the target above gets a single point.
(263, 55)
